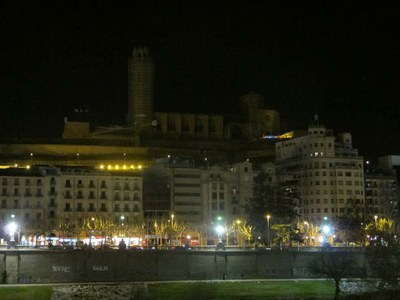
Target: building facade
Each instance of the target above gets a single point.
(196, 193)
(41, 199)
(327, 172)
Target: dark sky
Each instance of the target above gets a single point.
(334, 59)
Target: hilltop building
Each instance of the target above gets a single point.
(168, 130)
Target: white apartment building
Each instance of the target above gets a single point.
(28, 197)
(87, 193)
(327, 172)
(43, 197)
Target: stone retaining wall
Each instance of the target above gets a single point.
(107, 266)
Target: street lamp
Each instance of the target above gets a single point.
(268, 217)
(220, 230)
(238, 222)
(11, 228)
(308, 231)
(91, 231)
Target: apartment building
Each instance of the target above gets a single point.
(227, 188)
(380, 194)
(86, 193)
(196, 193)
(326, 170)
(29, 197)
(42, 198)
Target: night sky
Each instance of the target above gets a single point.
(333, 59)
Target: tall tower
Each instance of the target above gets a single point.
(140, 89)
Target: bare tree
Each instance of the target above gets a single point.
(335, 265)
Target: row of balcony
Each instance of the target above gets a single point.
(5, 183)
(104, 186)
(27, 194)
(103, 197)
(135, 210)
(18, 206)
(91, 186)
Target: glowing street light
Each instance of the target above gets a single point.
(12, 228)
(326, 229)
(220, 231)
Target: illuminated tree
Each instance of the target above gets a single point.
(383, 232)
(286, 233)
(309, 230)
(246, 230)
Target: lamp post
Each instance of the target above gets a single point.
(12, 228)
(172, 240)
(91, 231)
(220, 230)
(308, 231)
(268, 217)
(238, 222)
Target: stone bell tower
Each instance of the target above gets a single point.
(140, 89)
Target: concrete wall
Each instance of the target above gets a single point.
(102, 266)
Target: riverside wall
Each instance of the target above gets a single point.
(107, 266)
